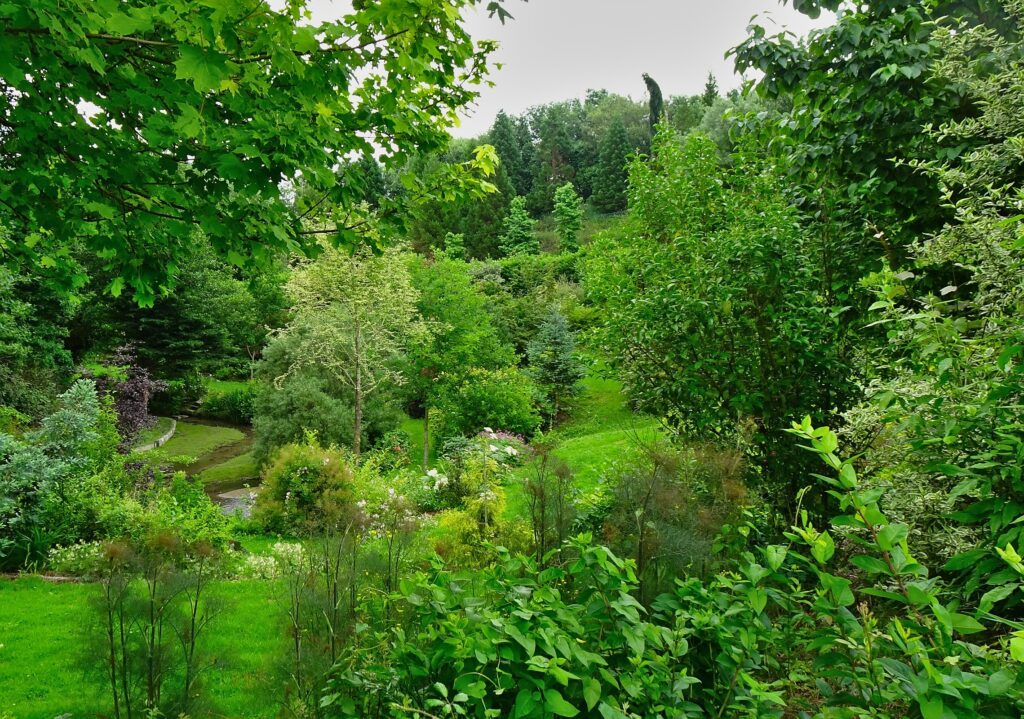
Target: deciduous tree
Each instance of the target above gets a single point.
(123, 126)
(356, 312)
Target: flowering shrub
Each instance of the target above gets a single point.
(306, 488)
(75, 560)
(470, 465)
(283, 556)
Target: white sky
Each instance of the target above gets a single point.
(558, 49)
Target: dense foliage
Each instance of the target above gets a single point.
(699, 406)
(120, 125)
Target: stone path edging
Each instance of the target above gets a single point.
(162, 440)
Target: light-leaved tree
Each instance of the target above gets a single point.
(356, 314)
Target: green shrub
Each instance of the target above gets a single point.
(42, 473)
(837, 623)
(178, 395)
(511, 641)
(236, 406)
(306, 488)
(502, 399)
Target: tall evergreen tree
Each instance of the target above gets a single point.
(710, 93)
(553, 362)
(568, 217)
(507, 137)
(518, 238)
(612, 178)
(657, 102)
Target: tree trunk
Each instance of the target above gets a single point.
(357, 429)
(426, 437)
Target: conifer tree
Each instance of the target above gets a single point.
(455, 245)
(553, 362)
(657, 103)
(710, 93)
(612, 179)
(518, 237)
(568, 217)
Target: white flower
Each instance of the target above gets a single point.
(511, 451)
(488, 430)
(492, 448)
(432, 473)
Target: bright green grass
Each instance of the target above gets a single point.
(241, 467)
(195, 440)
(225, 385)
(49, 668)
(158, 430)
(414, 428)
(257, 543)
(600, 432)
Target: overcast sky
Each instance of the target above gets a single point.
(557, 49)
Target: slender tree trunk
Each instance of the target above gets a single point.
(357, 429)
(426, 436)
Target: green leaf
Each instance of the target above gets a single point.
(871, 565)
(775, 555)
(839, 588)
(526, 701)
(932, 707)
(823, 548)
(525, 641)
(892, 535)
(555, 703)
(207, 69)
(1001, 682)
(189, 122)
(591, 692)
(992, 597)
(758, 599)
(1017, 648)
(965, 624)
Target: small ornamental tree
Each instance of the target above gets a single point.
(568, 217)
(518, 237)
(132, 389)
(553, 362)
(355, 316)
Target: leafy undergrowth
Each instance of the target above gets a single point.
(48, 664)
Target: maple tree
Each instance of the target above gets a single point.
(125, 125)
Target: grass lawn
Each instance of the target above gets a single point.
(158, 430)
(49, 667)
(195, 440)
(241, 467)
(600, 432)
(225, 385)
(414, 428)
